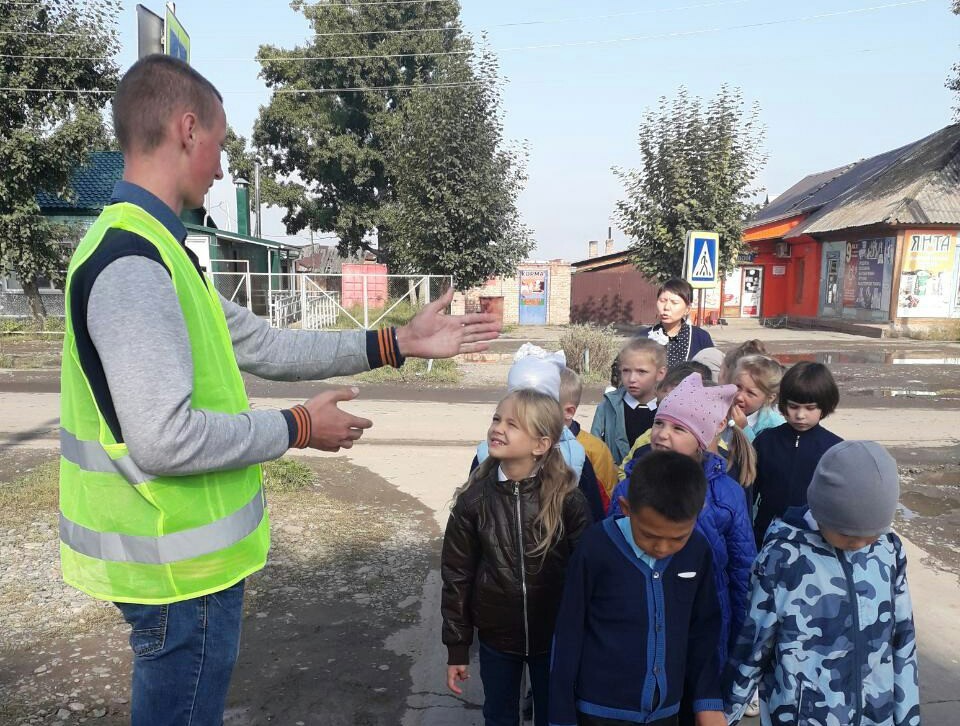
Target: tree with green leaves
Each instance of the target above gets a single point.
(62, 51)
(455, 183)
(954, 83)
(344, 161)
(699, 164)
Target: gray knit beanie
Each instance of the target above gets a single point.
(855, 489)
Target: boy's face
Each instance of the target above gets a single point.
(802, 416)
(639, 375)
(846, 542)
(656, 535)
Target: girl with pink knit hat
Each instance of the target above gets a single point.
(689, 421)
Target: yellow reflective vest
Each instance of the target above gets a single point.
(127, 535)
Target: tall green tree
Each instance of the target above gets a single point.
(699, 162)
(954, 83)
(455, 182)
(63, 50)
(341, 160)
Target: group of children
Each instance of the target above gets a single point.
(621, 567)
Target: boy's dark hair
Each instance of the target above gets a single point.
(808, 382)
(154, 87)
(681, 371)
(671, 484)
(677, 286)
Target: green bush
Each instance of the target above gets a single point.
(602, 344)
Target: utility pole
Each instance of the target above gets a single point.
(256, 192)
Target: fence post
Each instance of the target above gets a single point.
(303, 301)
(366, 305)
(586, 360)
(246, 278)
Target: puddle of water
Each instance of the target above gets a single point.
(922, 505)
(875, 357)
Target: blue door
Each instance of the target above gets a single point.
(534, 286)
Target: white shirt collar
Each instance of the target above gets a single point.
(500, 475)
(752, 418)
(633, 403)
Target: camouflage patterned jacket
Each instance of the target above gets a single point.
(829, 636)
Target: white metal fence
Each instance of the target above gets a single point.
(320, 301)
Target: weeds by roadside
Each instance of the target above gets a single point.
(414, 370)
(590, 351)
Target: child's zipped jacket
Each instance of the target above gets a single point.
(830, 634)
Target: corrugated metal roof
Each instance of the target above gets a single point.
(917, 184)
(92, 185)
(795, 200)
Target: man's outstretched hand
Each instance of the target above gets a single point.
(434, 334)
(330, 428)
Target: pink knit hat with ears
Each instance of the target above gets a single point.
(699, 410)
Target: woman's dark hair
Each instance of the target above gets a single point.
(678, 286)
(808, 382)
(671, 484)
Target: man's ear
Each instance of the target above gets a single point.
(187, 126)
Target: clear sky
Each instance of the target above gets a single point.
(836, 81)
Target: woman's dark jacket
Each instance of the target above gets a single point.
(511, 601)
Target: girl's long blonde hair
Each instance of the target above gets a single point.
(540, 416)
(743, 455)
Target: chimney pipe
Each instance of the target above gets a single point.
(593, 246)
(243, 206)
(608, 247)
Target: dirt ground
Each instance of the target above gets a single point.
(342, 626)
(349, 557)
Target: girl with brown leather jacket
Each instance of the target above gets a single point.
(511, 531)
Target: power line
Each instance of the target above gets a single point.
(546, 46)
(356, 89)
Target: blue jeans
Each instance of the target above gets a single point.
(184, 655)
(501, 674)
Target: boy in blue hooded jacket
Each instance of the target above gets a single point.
(829, 636)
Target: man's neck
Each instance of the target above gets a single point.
(154, 176)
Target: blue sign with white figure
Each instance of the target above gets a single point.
(701, 257)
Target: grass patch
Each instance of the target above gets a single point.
(36, 492)
(51, 324)
(414, 370)
(286, 475)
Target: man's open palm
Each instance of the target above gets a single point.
(434, 334)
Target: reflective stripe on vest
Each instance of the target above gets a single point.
(91, 456)
(167, 548)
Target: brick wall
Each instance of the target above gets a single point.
(558, 291)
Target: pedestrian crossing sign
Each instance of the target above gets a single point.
(700, 259)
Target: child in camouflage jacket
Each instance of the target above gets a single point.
(830, 636)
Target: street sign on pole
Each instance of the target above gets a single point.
(701, 258)
(149, 32)
(176, 38)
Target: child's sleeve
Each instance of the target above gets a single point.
(906, 695)
(741, 553)
(754, 646)
(702, 679)
(597, 428)
(568, 641)
(618, 491)
(458, 567)
(591, 490)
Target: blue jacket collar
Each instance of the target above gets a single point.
(125, 191)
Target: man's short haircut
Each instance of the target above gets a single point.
(671, 484)
(657, 352)
(808, 382)
(571, 387)
(155, 87)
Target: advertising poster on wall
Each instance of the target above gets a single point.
(865, 282)
(731, 288)
(926, 281)
(533, 296)
(750, 298)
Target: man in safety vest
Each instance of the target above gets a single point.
(161, 501)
